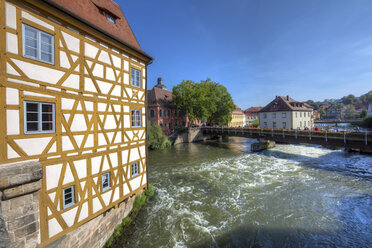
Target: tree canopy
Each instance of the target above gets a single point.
(207, 101)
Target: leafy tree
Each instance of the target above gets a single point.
(206, 101)
(363, 113)
(322, 112)
(155, 137)
(350, 111)
(367, 122)
(256, 123)
(350, 99)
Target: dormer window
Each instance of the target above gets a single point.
(111, 18)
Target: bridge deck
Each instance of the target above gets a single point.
(350, 140)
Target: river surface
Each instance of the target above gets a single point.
(218, 194)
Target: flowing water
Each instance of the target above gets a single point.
(218, 194)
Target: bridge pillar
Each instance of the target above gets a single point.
(262, 144)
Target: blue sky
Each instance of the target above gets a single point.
(308, 49)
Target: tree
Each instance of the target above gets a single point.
(322, 113)
(256, 123)
(363, 113)
(206, 101)
(350, 99)
(155, 137)
(350, 111)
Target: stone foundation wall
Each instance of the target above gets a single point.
(97, 231)
(19, 186)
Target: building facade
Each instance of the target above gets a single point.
(251, 114)
(73, 97)
(162, 111)
(369, 110)
(286, 113)
(238, 118)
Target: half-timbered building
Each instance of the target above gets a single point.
(73, 96)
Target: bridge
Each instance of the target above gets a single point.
(337, 121)
(358, 141)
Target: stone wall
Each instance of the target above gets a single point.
(19, 186)
(97, 231)
(192, 135)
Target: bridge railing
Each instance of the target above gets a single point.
(345, 135)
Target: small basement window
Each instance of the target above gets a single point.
(134, 169)
(38, 44)
(106, 182)
(68, 197)
(39, 117)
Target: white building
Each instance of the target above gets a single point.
(285, 112)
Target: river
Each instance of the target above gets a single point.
(218, 194)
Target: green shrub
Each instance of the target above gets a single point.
(156, 139)
(367, 122)
(256, 123)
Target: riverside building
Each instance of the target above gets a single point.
(72, 121)
(285, 112)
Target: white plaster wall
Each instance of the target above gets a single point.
(12, 120)
(102, 108)
(81, 168)
(126, 66)
(96, 163)
(66, 144)
(72, 81)
(126, 78)
(69, 216)
(68, 178)
(114, 159)
(143, 151)
(33, 146)
(54, 227)
(88, 85)
(117, 61)
(105, 87)
(11, 153)
(29, 93)
(40, 73)
(116, 195)
(11, 43)
(96, 205)
(126, 121)
(10, 16)
(144, 181)
(67, 103)
(72, 43)
(90, 51)
(135, 183)
(78, 123)
(12, 96)
(110, 74)
(52, 175)
(104, 57)
(134, 155)
(98, 70)
(63, 60)
(106, 197)
(83, 212)
(36, 20)
(11, 70)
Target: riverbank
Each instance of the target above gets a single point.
(126, 223)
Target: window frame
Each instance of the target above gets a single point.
(109, 181)
(40, 116)
(65, 206)
(131, 119)
(284, 115)
(132, 79)
(133, 175)
(274, 116)
(38, 50)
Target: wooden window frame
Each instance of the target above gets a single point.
(40, 116)
(73, 203)
(39, 33)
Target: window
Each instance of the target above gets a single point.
(160, 113)
(161, 124)
(300, 123)
(110, 18)
(274, 124)
(169, 113)
(300, 114)
(68, 197)
(39, 117)
(135, 78)
(106, 181)
(274, 115)
(265, 124)
(265, 116)
(37, 44)
(136, 118)
(165, 125)
(284, 115)
(134, 169)
(284, 124)
(152, 113)
(170, 127)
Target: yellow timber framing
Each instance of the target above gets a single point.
(95, 118)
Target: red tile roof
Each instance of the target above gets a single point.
(285, 103)
(92, 12)
(252, 110)
(159, 97)
(237, 111)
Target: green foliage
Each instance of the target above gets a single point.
(350, 111)
(206, 101)
(322, 112)
(363, 113)
(139, 202)
(350, 99)
(256, 123)
(155, 137)
(313, 104)
(367, 122)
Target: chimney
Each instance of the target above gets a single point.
(287, 98)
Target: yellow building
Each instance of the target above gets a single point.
(238, 118)
(72, 97)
